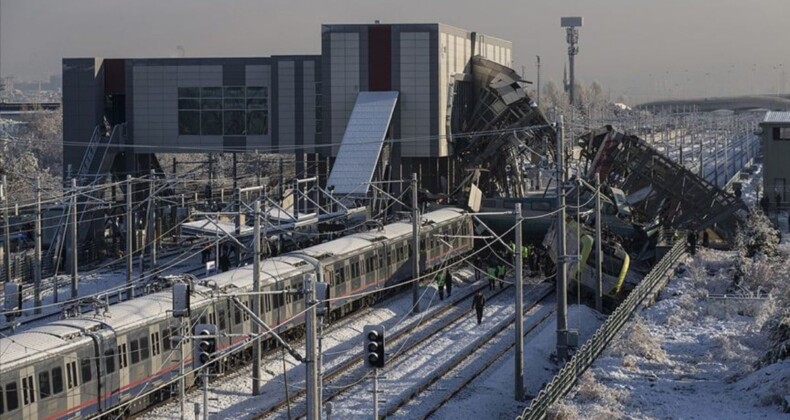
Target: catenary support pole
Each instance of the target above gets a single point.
(37, 253)
(598, 255)
(519, 363)
(415, 246)
(313, 401)
(182, 397)
(152, 221)
(6, 232)
(74, 252)
(256, 300)
(129, 237)
(562, 268)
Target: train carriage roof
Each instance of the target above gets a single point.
(38, 343)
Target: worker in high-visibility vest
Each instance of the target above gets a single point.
(491, 271)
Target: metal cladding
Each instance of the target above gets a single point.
(659, 189)
(499, 129)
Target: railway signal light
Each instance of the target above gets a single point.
(205, 344)
(373, 341)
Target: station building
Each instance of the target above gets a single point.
(776, 148)
(117, 113)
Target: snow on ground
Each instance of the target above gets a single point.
(690, 355)
(491, 395)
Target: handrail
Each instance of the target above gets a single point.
(87, 158)
(563, 382)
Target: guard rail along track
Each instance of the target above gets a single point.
(562, 383)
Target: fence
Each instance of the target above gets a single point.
(583, 359)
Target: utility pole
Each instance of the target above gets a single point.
(519, 365)
(74, 227)
(37, 252)
(129, 236)
(256, 302)
(598, 254)
(152, 221)
(538, 96)
(562, 268)
(181, 375)
(6, 230)
(415, 246)
(313, 399)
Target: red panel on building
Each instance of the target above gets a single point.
(380, 58)
(114, 76)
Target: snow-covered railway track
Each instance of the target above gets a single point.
(404, 347)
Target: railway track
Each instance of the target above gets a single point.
(347, 374)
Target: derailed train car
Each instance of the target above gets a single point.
(121, 362)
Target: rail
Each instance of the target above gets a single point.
(562, 383)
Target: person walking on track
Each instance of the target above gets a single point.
(478, 304)
(448, 282)
(440, 284)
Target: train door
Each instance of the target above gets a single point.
(106, 379)
(72, 361)
(29, 393)
(155, 363)
(122, 351)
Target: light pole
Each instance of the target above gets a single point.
(538, 96)
(572, 25)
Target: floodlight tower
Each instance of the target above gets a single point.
(571, 25)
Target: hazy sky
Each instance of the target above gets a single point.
(640, 48)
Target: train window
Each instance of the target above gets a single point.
(11, 396)
(135, 351)
(222, 323)
(144, 349)
(381, 260)
(43, 384)
(166, 334)
(27, 391)
(57, 380)
(248, 304)
(237, 316)
(155, 344)
(339, 278)
(369, 264)
(123, 361)
(85, 366)
(109, 360)
(355, 269)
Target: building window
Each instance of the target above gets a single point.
(227, 110)
(781, 133)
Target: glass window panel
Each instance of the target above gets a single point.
(211, 104)
(256, 103)
(188, 92)
(166, 338)
(257, 92)
(257, 122)
(43, 384)
(188, 123)
(188, 104)
(211, 92)
(233, 103)
(85, 366)
(234, 92)
(234, 122)
(211, 122)
(144, 353)
(57, 380)
(135, 347)
(109, 360)
(12, 396)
